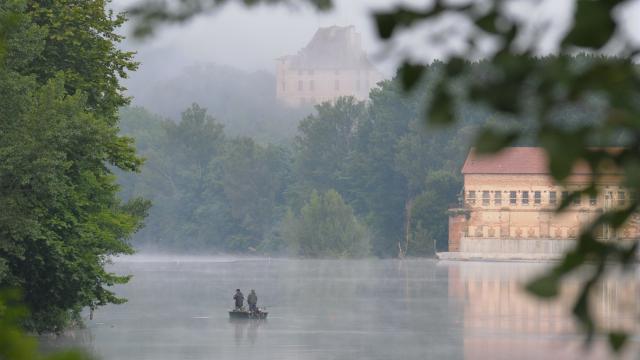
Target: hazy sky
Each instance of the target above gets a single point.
(251, 39)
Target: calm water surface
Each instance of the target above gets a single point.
(339, 309)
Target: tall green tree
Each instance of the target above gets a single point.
(61, 219)
(326, 227)
(81, 41)
(254, 181)
(325, 141)
(429, 220)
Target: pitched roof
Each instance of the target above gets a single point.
(513, 160)
(333, 47)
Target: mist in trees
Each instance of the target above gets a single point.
(245, 102)
(219, 192)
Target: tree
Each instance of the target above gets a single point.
(81, 41)
(210, 191)
(14, 343)
(254, 180)
(429, 218)
(326, 227)
(61, 219)
(520, 87)
(324, 145)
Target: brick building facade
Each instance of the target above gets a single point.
(509, 201)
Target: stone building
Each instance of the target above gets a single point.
(333, 64)
(508, 206)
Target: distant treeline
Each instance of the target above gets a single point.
(245, 103)
(221, 193)
(372, 172)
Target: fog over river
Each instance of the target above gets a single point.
(343, 309)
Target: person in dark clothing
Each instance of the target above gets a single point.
(239, 298)
(252, 300)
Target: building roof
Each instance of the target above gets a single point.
(515, 160)
(333, 47)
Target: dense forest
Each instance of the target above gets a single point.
(228, 193)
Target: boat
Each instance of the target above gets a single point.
(242, 313)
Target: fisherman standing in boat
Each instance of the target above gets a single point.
(239, 298)
(252, 300)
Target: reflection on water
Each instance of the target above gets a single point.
(246, 331)
(324, 309)
(501, 321)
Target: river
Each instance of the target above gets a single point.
(345, 309)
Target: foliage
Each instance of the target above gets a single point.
(61, 220)
(376, 155)
(430, 217)
(210, 191)
(151, 12)
(14, 343)
(326, 227)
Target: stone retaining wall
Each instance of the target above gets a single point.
(515, 246)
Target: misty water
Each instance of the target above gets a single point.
(341, 309)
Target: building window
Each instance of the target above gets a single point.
(577, 200)
(336, 85)
(471, 199)
(525, 198)
(311, 85)
(593, 199)
(300, 85)
(336, 72)
(565, 195)
(552, 198)
(537, 197)
(513, 198)
(485, 198)
(497, 197)
(621, 198)
(284, 87)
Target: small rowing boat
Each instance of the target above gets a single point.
(245, 314)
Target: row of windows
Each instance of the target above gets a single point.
(335, 72)
(311, 86)
(535, 197)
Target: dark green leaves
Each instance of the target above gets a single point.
(593, 24)
(401, 17)
(491, 141)
(442, 108)
(617, 340)
(388, 22)
(149, 14)
(546, 286)
(410, 74)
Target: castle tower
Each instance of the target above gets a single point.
(333, 64)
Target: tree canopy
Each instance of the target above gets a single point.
(61, 219)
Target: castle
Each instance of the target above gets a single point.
(333, 64)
